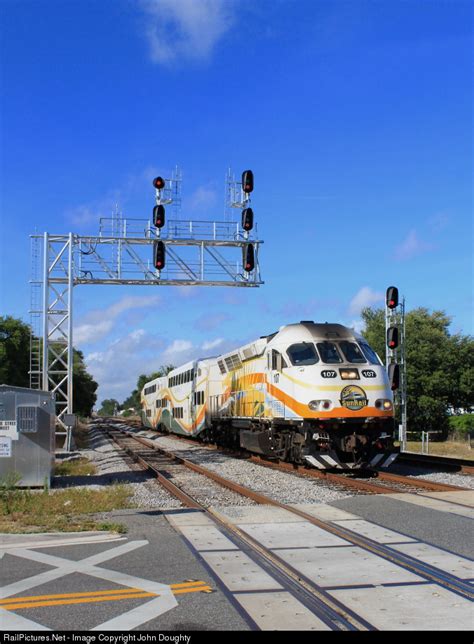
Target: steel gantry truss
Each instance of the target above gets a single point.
(198, 253)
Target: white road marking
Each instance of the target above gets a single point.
(139, 615)
(87, 566)
(11, 622)
(50, 542)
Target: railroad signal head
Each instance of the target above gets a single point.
(392, 297)
(394, 375)
(392, 337)
(249, 258)
(247, 219)
(159, 183)
(159, 255)
(247, 181)
(159, 216)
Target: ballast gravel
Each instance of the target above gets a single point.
(450, 478)
(114, 466)
(283, 487)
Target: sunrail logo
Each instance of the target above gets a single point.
(353, 398)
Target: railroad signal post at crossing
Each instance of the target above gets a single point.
(395, 356)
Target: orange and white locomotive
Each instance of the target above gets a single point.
(310, 393)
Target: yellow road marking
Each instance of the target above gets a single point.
(64, 595)
(36, 601)
(204, 589)
(82, 600)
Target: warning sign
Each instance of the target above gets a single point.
(5, 447)
(8, 428)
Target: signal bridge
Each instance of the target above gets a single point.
(138, 252)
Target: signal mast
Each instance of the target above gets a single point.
(395, 358)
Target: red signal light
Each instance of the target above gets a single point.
(159, 255)
(159, 183)
(394, 376)
(392, 337)
(247, 219)
(159, 216)
(249, 258)
(247, 181)
(392, 297)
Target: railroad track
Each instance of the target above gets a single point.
(460, 465)
(158, 461)
(382, 483)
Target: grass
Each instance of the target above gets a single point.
(453, 449)
(68, 510)
(74, 467)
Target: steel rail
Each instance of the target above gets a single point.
(357, 484)
(314, 597)
(434, 486)
(463, 465)
(363, 485)
(426, 571)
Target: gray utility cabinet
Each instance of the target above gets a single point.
(27, 441)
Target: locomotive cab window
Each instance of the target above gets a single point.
(302, 354)
(351, 352)
(329, 352)
(369, 353)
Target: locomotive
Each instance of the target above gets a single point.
(311, 393)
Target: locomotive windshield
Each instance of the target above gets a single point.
(303, 353)
(351, 352)
(329, 353)
(369, 353)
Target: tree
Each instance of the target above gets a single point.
(109, 407)
(15, 364)
(133, 401)
(84, 386)
(440, 366)
(14, 352)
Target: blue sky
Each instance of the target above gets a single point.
(356, 118)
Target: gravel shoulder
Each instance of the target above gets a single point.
(115, 466)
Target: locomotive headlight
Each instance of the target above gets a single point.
(386, 405)
(320, 405)
(349, 374)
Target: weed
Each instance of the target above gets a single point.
(58, 510)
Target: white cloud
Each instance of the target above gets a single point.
(118, 366)
(90, 333)
(411, 246)
(212, 344)
(185, 29)
(202, 199)
(178, 346)
(357, 325)
(99, 323)
(364, 297)
(86, 214)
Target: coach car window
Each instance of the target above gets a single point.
(303, 353)
(369, 353)
(329, 353)
(352, 352)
